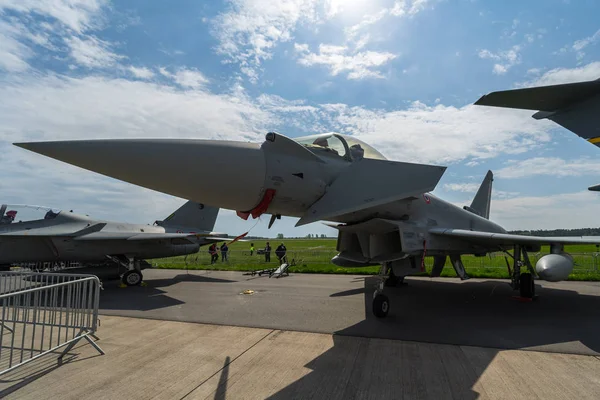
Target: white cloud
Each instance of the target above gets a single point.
(338, 59)
(583, 43)
(567, 210)
(551, 166)
(77, 15)
(13, 53)
(557, 76)
(499, 69)
(461, 187)
(370, 20)
(249, 31)
(188, 78)
(68, 21)
(579, 45)
(442, 134)
(141, 72)
(506, 59)
(472, 188)
(400, 8)
(92, 52)
(58, 107)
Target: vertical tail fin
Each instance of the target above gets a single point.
(483, 199)
(191, 217)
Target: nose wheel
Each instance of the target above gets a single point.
(381, 305)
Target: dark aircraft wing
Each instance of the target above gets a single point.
(507, 239)
(575, 106)
(140, 236)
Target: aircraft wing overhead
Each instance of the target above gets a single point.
(371, 183)
(543, 98)
(575, 106)
(508, 239)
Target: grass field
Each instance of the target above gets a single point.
(314, 255)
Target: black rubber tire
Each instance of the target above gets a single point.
(527, 286)
(381, 306)
(132, 278)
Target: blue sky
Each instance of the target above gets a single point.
(401, 75)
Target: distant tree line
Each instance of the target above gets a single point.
(560, 232)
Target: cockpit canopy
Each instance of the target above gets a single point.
(345, 146)
(13, 214)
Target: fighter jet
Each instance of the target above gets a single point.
(574, 106)
(381, 208)
(30, 234)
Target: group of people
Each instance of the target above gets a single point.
(280, 252)
(213, 250)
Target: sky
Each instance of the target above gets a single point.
(400, 75)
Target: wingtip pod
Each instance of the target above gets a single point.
(208, 171)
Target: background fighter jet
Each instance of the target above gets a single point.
(40, 234)
(575, 106)
(384, 213)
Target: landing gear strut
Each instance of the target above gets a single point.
(381, 303)
(133, 276)
(393, 280)
(523, 282)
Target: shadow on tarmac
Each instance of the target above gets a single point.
(149, 296)
(444, 314)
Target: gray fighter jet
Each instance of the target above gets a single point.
(381, 208)
(575, 106)
(30, 234)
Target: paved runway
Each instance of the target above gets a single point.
(565, 319)
(153, 359)
(458, 340)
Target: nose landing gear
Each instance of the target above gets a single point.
(381, 303)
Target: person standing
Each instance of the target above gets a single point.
(212, 250)
(251, 248)
(280, 252)
(224, 251)
(268, 252)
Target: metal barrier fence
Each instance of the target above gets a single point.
(44, 312)
(584, 262)
(48, 265)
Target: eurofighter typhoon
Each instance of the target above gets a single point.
(381, 208)
(30, 234)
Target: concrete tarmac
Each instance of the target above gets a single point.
(451, 340)
(152, 359)
(565, 318)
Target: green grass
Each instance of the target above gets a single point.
(314, 255)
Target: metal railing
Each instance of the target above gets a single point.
(44, 312)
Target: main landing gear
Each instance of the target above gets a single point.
(133, 276)
(381, 303)
(523, 282)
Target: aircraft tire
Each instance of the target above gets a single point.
(527, 286)
(132, 278)
(381, 306)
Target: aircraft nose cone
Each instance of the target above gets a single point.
(218, 173)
